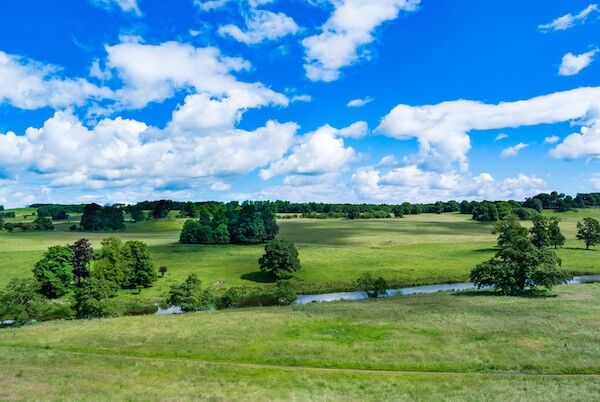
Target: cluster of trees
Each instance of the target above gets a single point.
(55, 212)
(561, 202)
(523, 261)
(39, 224)
(248, 223)
(98, 218)
(93, 277)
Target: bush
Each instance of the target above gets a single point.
(280, 259)
(372, 287)
(90, 298)
(190, 296)
(20, 301)
(230, 298)
(285, 293)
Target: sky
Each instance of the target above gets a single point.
(379, 101)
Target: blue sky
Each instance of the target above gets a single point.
(306, 100)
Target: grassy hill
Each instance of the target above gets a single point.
(432, 347)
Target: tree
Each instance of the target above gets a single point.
(507, 230)
(96, 217)
(540, 234)
(248, 227)
(161, 209)
(589, 231)
(285, 293)
(110, 263)
(280, 259)
(190, 296)
(138, 215)
(398, 211)
(372, 287)
(21, 301)
(163, 270)
(353, 214)
(54, 271)
(42, 224)
(139, 268)
(82, 256)
(534, 203)
(90, 298)
(554, 234)
(519, 265)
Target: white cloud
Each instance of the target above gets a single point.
(153, 73)
(501, 136)
(442, 129)
(356, 130)
(411, 183)
(261, 25)
(510, 152)
(359, 102)
(553, 139)
(27, 84)
(572, 64)
(595, 180)
(127, 6)
(119, 152)
(350, 27)
(209, 5)
(319, 152)
(585, 144)
(301, 98)
(569, 20)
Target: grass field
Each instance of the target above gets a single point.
(418, 249)
(432, 347)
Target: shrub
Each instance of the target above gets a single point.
(90, 298)
(285, 293)
(372, 287)
(190, 296)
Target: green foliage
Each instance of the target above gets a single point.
(138, 215)
(161, 209)
(589, 232)
(555, 235)
(139, 267)
(280, 259)
(21, 301)
(540, 234)
(519, 264)
(353, 214)
(163, 270)
(229, 298)
(486, 212)
(98, 218)
(372, 287)
(42, 224)
(54, 271)
(90, 298)
(190, 296)
(285, 293)
(526, 214)
(82, 256)
(110, 263)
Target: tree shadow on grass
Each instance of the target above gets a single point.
(259, 277)
(579, 248)
(528, 294)
(486, 250)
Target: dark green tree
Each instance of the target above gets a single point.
(519, 265)
(285, 293)
(540, 234)
(110, 263)
(82, 256)
(589, 232)
(90, 299)
(555, 235)
(140, 270)
(507, 230)
(42, 224)
(280, 259)
(372, 287)
(138, 215)
(54, 271)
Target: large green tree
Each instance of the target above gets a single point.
(554, 234)
(140, 269)
(190, 296)
(21, 301)
(82, 256)
(280, 259)
(519, 265)
(54, 271)
(588, 231)
(90, 299)
(540, 234)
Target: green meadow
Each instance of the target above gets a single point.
(417, 249)
(462, 346)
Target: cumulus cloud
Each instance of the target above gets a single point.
(119, 152)
(553, 139)
(359, 102)
(442, 129)
(209, 5)
(350, 27)
(27, 84)
(569, 20)
(510, 152)
(572, 64)
(595, 180)
(319, 152)
(411, 183)
(584, 144)
(261, 25)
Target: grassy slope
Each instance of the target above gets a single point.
(482, 347)
(418, 249)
